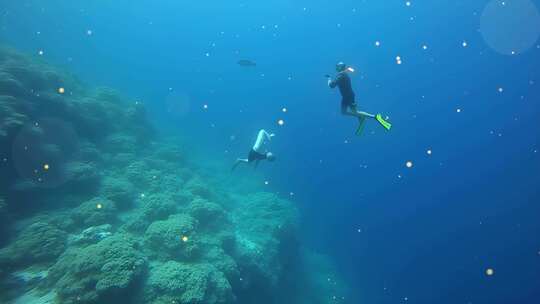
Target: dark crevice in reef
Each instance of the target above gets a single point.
(95, 207)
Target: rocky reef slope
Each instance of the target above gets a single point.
(96, 208)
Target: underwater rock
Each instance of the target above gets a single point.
(170, 153)
(197, 187)
(321, 282)
(225, 263)
(174, 282)
(95, 212)
(121, 160)
(109, 96)
(265, 225)
(34, 74)
(136, 173)
(118, 190)
(82, 175)
(11, 86)
(206, 212)
(99, 273)
(88, 152)
(91, 235)
(120, 143)
(38, 243)
(157, 206)
(173, 238)
(36, 297)
(3, 212)
(151, 208)
(60, 219)
(11, 120)
(93, 121)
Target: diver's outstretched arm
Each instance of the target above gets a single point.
(238, 162)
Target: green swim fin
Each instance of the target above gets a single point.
(361, 125)
(383, 122)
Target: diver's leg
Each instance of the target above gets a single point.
(366, 114)
(349, 110)
(360, 114)
(238, 162)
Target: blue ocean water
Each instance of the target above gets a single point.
(424, 234)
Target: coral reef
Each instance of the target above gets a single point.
(94, 212)
(174, 282)
(37, 243)
(4, 220)
(174, 238)
(118, 190)
(98, 273)
(107, 212)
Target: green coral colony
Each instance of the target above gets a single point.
(73, 163)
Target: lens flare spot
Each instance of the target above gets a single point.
(46, 167)
(409, 164)
(99, 206)
(61, 90)
(490, 272)
(281, 122)
(185, 238)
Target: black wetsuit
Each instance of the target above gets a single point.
(254, 155)
(343, 82)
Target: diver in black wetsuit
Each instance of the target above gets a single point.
(348, 104)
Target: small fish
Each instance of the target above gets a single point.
(246, 63)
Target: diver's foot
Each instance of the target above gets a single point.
(383, 122)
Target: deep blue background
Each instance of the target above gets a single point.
(427, 234)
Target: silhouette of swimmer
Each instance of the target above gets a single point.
(258, 152)
(348, 103)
